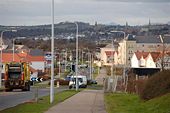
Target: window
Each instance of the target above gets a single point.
(129, 58)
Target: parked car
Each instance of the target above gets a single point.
(93, 82)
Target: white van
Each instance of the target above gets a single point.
(82, 81)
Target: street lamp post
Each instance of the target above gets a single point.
(1, 64)
(13, 59)
(124, 60)
(52, 54)
(90, 66)
(163, 52)
(76, 56)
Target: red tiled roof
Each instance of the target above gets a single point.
(35, 58)
(109, 53)
(8, 57)
(140, 54)
(18, 57)
(155, 55)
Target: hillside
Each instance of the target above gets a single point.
(130, 103)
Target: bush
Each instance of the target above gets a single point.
(61, 82)
(157, 85)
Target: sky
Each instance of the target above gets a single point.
(38, 12)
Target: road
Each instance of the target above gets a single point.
(10, 99)
(101, 76)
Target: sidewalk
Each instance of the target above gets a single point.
(87, 101)
(101, 76)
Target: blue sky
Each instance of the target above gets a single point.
(35, 12)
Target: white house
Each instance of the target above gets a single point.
(37, 62)
(110, 58)
(144, 59)
(130, 45)
(103, 56)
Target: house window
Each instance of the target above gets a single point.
(129, 58)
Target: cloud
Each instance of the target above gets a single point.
(28, 12)
(138, 1)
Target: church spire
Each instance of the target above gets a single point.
(149, 22)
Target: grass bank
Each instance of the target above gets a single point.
(42, 105)
(129, 103)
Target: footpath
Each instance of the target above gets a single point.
(87, 101)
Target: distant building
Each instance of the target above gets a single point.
(128, 46)
(107, 54)
(149, 60)
(36, 62)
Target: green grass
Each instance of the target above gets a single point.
(95, 87)
(42, 105)
(130, 103)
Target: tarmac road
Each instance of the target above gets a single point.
(10, 99)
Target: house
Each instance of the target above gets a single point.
(126, 49)
(34, 72)
(144, 59)
(36, 62)
(104, 53)
(110, 57)
(131, 44)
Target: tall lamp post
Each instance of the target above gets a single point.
(163, 52)
(13, 58)
(52, 53)
(76, 56)
(1, 65)
(124, 58)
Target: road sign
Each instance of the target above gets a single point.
(36, 79)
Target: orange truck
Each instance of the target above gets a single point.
(17, 76)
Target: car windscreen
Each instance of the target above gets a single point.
(79, 79)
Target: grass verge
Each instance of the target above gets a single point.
(95, 87)
(129, 103)
(42, 105)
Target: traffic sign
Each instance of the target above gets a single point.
(36, 79)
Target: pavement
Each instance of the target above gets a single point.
(101, 76)
(86, 101)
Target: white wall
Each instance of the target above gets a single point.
(38, 65)
(134, 61)
(103, 55)
(150, 63)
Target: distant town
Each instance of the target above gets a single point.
(111, 60)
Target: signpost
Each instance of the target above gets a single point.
(36, 79)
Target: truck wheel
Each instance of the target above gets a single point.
(8, 89)
(28, 87)
(70, 87)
